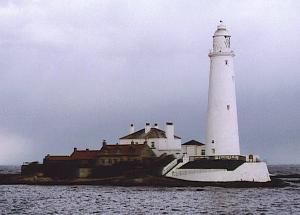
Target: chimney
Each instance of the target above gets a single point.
(131, 129)
(169, 130)
(148, 127)
(104, 143)
(155, 125)
(75, 149)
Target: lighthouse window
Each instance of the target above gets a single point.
(226, 62)
(227, 42)
(212, 141)
(152, 145)
(228, 107)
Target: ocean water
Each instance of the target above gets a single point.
(25, 199)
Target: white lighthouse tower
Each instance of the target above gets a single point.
(223, 162)
(222, 136)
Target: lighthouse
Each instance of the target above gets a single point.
(222, 161)
(222, 136)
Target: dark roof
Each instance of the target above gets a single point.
(153, 133)
(213, 164)
(122, 149)
(193, 143)
(85, 154)
(135, 135)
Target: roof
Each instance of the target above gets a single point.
(221, 30)
(84, 154)
(193, 143)
(123, 149)
(57, 157)
(153, 133)
(76, 155)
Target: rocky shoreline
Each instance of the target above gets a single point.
(151, 181)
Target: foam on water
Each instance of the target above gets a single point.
(24, 199)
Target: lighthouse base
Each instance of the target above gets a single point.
(246, 171)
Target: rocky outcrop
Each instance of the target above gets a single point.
(152, 181)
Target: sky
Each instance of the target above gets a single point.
(73, 73)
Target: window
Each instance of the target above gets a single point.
(226, 62)
(228, 107)
(251, 158)
(152, 145)
(212, 141)
(227, 41)
(213, 151)
(203, 152)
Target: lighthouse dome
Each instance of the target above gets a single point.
(221, 30)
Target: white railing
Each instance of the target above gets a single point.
(218, 157)
(180, 172)
(169, 167)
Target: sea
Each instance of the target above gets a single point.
(28, 199)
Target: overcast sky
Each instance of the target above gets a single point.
(75, 72)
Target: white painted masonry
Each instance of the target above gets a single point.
(165, 142)
(131, 129)
(254, 172)
(222, 137)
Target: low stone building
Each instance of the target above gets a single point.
(59, 166)
(79, 164)
(86, 161)
(112, 154)
(32, 168)
(108, 161)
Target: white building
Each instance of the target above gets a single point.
(161, 141)
(193, 148)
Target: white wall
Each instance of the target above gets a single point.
(254, 172)
(193, 150)
(161, 144)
